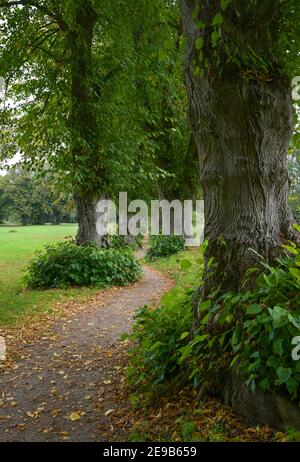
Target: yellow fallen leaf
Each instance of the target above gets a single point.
(74, 416)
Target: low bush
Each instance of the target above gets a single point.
(253, 333)
(155, 353)
(163, 246)
(67, 264)
(117, 241)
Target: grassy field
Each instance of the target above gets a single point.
(17, 246)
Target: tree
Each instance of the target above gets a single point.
(77, 66)
(29, 199)
(239, 59)
(68, 62)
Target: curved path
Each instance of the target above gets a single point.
(65, 388)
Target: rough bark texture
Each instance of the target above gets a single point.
(86, 217)
(257, 408)
(242, 129)
(83, 121)
(242, 122)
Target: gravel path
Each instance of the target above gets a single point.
(65, 386)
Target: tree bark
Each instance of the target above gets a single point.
(83, 121)
(86, 217)
(242, 129)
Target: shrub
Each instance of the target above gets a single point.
(65, 264)
(253, 334)
(117, 241)
(156, 333)
(163, 246)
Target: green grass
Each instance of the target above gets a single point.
(173, 267)
(17, 246)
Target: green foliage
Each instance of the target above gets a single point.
(156, 337)
(251, 331)
(18, 245)
(27, 198)
(163, 246)
(271, 49)
(135, 105)
(117, 241)
(67, 264)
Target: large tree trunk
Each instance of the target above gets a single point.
(242, 128)
(83, 120)
(86, 217)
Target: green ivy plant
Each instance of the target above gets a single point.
(251, 331)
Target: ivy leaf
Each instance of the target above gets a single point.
(184, 335)
(204, 305)
(224, 4)
(264, 383)
(254, 309)
(199, 43)
(218, 20)
(297, 227)
(296, 273)
(234, 360)
(214, 38)
(277, 347)
(283, 374)
(185, 352)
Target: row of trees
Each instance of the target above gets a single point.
(28, 198)
(95, 93)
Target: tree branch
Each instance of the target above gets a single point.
(58, 18)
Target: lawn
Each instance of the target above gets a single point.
(17, 246)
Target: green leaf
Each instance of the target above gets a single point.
(204, 306)
(264, 383)
(186, 264)
(277, 347)
(291, 249)
(283, 374)
(184, 335)
(296, 273)
(162, 55)
(218, 20)
(234, 338)
(157, 345)
(199, 43)
(214, 38)
(254, 309)
(234, 360)
(224, 4)
(185, 352)
(296, 227)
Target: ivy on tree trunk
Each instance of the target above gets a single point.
(242, 122)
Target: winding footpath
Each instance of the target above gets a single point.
(65, 387)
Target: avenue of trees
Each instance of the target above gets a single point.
(165, 99)
(103, 102)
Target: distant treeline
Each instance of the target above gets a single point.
(29, 199)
